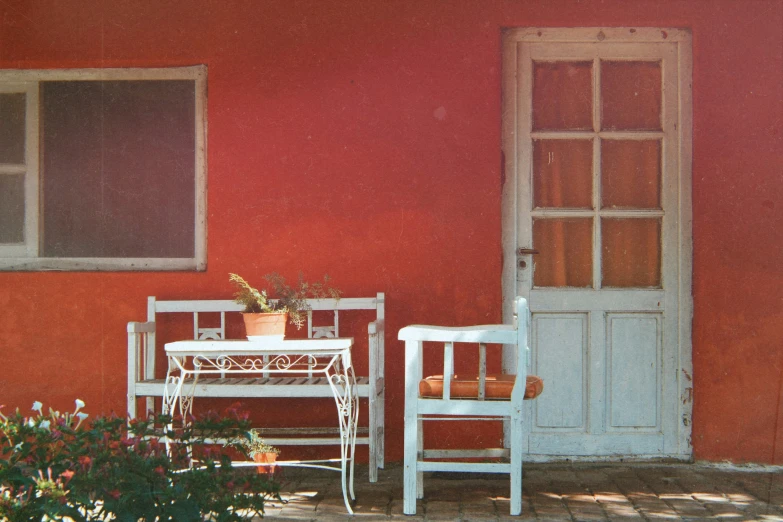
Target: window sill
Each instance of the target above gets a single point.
(102, 264)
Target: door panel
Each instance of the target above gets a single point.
(634, 371)
(560, 340)
(595, 142)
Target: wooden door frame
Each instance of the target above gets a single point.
(682, 37)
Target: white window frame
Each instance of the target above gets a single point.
(26, 256)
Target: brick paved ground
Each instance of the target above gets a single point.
(580, 492)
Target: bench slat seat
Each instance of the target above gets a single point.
(252, 388)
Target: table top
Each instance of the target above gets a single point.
(326, 346)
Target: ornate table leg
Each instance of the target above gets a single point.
(173, 377)
(346, 398)
(173, 400)
(353, 421)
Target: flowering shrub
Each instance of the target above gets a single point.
(61, 466)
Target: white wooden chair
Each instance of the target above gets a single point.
(466, 398)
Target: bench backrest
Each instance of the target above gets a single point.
(155, 306)
(144, 358)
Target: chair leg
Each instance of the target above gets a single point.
(411, 446)
(380, 423)
(373, 445)
(516, 464)
(419, 456)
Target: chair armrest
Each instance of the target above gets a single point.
(494, 333)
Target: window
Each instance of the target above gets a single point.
(103, 169)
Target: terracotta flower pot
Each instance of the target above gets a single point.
(265, 325)
(265, 458)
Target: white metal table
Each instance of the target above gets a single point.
(297, 357)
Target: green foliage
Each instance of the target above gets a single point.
(253, 443)
(58, 467)
(288, 299)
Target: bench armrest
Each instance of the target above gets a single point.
(141, 359)
(375, 333)
(139, 327)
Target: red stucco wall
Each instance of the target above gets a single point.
(329, 152)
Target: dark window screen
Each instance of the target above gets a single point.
(12, 109)
(118, 168)
(11, 208)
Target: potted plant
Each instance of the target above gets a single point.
(265, 316)
(261, 452)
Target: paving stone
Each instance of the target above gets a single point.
(527, 514)
(395, 510)
(621, 511)
(632, 485)
(441, 508)
(593, 477)
(689, 508)
(553, 511)
(587, 513)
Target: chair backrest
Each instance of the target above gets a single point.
(513, 335)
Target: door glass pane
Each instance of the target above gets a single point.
(565, 255)
(631, 253)
(562, 96)
(11, 208)
(631, 174)
(12, 109)
(630, 95)
(563, 173)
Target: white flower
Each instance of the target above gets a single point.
(37, 406)
(79, 404)
(81, 417)
(45, 424)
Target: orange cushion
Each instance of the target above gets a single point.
(466, 386)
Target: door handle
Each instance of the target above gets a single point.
(525, 252)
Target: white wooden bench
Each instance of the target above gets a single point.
(143, 381)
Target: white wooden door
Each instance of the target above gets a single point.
(597, 235)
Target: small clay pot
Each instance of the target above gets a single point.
(265, 458)
(257, 325)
